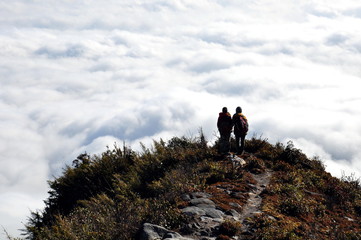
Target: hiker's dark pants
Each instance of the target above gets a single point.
(224, 144)
(238, 138)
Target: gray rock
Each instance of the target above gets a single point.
(237, 161)
(213, 213)
(171, 235)
(205, 206)
(155, 232)
(203, 201)
(200, 195)
(186, 197)
(252, 194)
(257, 213)
(234, 213)
(271, 218)
(178, 238)
(238, 195)
(205, 232)
(233, 204)
(193, 210)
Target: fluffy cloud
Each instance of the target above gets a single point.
(78, 76)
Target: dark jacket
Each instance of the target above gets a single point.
(224, 122)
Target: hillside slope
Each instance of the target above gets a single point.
(278, 193)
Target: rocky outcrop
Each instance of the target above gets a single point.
(207, 215)
(155, 232)
(202, 206)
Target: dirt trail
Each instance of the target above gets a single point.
(253, 205)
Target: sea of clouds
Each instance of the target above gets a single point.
(77, 76)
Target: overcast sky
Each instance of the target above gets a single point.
(79, 75)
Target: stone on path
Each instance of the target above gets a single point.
(155, 232)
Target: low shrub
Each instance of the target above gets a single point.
(317, 164)
(346, 235)
(216, 173)
(293, 207)
(255, 144)
(230, 228)
(223, 237)
(255, 165)
(293, 155)
(269, 229)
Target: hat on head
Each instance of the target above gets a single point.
(224, 109)
(238, 110)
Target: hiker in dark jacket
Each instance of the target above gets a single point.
(225, 125)
(240, 123)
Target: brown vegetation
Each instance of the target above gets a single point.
(110, 196)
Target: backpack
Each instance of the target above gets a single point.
(241, 125)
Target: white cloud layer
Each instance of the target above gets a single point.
(79, 75)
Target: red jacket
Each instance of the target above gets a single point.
(224, 122)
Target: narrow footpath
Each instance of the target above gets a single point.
(253, 205)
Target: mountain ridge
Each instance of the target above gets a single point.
(112, 195)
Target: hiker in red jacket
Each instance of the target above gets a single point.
(225, 126)
(240, 123)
